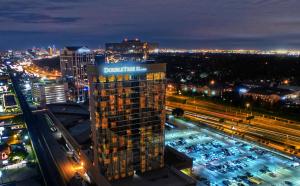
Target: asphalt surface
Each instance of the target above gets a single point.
(58, 153)
(219, 157)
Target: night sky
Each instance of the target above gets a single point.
(227, 24)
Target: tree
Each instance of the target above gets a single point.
(18, 155)
(178, 112)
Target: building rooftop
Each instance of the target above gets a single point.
(81, 131)
(74, 118)
(68, 120)
(68, 108)
(270, 91)
(73, 48)
(79, 49)
(9, 100)
(165, 177)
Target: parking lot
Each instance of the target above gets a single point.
(224, 160)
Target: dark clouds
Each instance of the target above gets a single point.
(36, 18)
(263, 24)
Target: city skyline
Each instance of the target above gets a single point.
(202, 114)
(202, 24)
(131, 93)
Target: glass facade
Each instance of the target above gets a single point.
(73, 64)
(128, 119)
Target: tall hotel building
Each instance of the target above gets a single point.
(73, 66)
(127, 111)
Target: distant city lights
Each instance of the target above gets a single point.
(243, 90)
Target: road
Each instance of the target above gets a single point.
(65, 166)
(6, 116)
(50, 173)
(33, 69)
(279, 130)
(58, 153)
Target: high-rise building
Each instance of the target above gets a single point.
(133, 50)
(127, 105)
(54, 50)
(50, 51)
(73, 66)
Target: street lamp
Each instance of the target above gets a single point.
(248, 105)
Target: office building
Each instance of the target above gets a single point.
(73, 65)
(45, 93)
(132, 50)
(127, 105)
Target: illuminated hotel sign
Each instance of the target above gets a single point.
(125, 69)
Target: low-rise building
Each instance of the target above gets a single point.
(269, 94)
(49, 92)
(294, 97)
(9, 102)
(4, 151)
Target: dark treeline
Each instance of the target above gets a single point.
(230, 67)
(51, 64)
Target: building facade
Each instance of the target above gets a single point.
(49, 93)
(127, 105)
(73, 65)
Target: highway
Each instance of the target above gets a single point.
(270, 129)
(64, 166)
(58, 153)
(49, 171)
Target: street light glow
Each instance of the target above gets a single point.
(247, 105)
